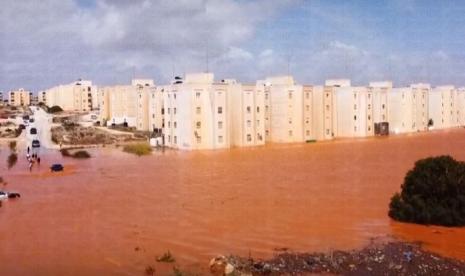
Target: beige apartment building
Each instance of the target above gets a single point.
(130, 105)
(80, 95)
(1, 98)
(19, 97)
(323, 127)
(442, 108)
(460, 106)
(196, 113)
(283, 110)
(353, 109)
(408, 108)
(247, 113)
(380, 92)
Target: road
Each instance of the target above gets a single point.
(43, 124)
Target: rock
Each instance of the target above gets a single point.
(229, 269)
(218, 265)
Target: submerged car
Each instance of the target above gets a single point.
(33, 130)
(35, 144)
(5, 195)
(56, 168)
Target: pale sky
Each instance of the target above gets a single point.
(49, 42)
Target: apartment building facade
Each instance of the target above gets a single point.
(196, 113)
(353, 109)
(247, 113)
(130, 105)
(442, 109)
(20, 97)
(284, 110)
(80, 95)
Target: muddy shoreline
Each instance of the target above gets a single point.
(393, 257)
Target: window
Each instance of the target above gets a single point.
(369, 106)
(267, 132)
(382, 106)
(169, 124)
(266, 96)
(197, 95)
(175, 124)
(199, 139)
(369, 117)
(290, 95)
(355, 107)
(290, 133)
(198, 110)
(355, 96)
(174, 95)
(249, 137)
(220, 139)
(249, 123)
(355, 117)
(327, 95)
(307, 95)
(307, 108)
(258, 109)
(248, 109)
(175, 140)
(220, 125)
(168, 110)
(220, 110)
(355, 129)
(307, 132)
(174, 110)
(153, 116)
(290, 121)
(169, 138)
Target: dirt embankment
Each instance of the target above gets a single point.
(386, 258)
(71, 133)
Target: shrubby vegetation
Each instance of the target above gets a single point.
(54, 109)
(80, 154)
(433, 192)
(138, 149)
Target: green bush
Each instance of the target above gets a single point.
(12, 159)
(54, 109)
(80, 154)
(433, 192)
(12, 145)
(138, 149)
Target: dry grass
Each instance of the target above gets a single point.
(138, 149)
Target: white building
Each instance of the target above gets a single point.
(247, 114)
(131, 105)
(460, 104)
(20, 97)
(196, 113)
(284, 110)
(353, 109)
(442, 109)
(80, 95)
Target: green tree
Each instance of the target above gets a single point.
(433, 192)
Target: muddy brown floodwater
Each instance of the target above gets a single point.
(306, 197)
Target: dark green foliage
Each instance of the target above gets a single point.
(12, 159)
(80, 154)
(433, 192)
(54, 109)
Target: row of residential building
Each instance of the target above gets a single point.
(198, 112)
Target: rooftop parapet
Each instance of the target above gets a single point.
(338, 82)
(381, 84)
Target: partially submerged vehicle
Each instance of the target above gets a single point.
(7, 195)
(56, 168)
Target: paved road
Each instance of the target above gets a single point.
(43, 123)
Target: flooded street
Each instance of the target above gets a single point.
(305, 197)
